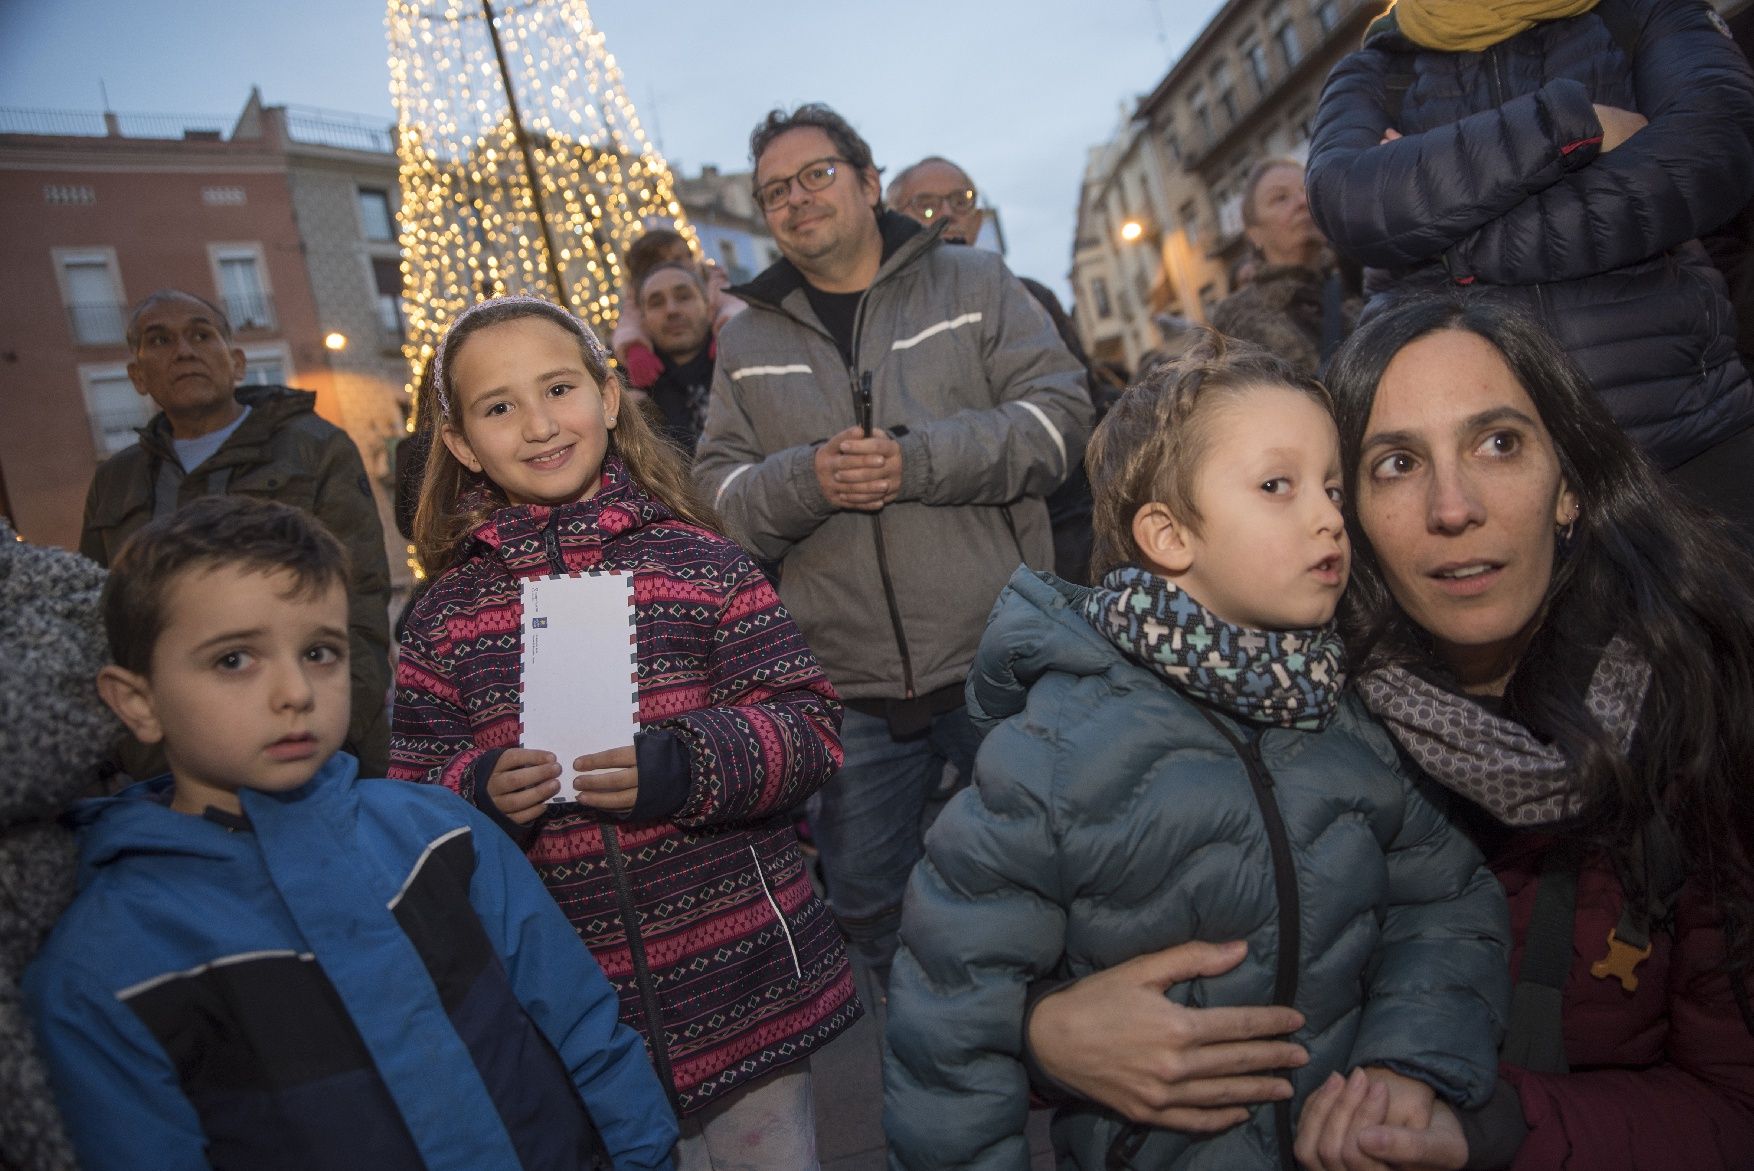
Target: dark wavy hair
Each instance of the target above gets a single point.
(1643, 563)
(851, 145)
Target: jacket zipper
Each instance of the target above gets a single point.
(636, 945)
(861, 384)
(551, 544)
(642, 973)
(1285, 890)
(1127, 1143)
(779, 917)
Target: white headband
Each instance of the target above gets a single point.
(595, 347)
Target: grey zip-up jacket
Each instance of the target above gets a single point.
(990, 409)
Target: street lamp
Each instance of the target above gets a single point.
(335, 341)
(1132, 230)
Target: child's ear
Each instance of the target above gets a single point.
(130, 697)
(611, 392)
(459, 445)
(1165, 541)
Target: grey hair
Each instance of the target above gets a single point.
(498, 308)
(907, 172)
(157, 297)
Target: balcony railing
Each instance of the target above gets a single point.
(97, 323)
(250, 311)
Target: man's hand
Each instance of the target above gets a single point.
(614, 790)
(1115, 1039)
(859, 471)
(1618, 125)
(522, 781)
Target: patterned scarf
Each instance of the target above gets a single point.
(1494, 762)
(1292, 678)
(1471, 26)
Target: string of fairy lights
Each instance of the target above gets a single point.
(522, 164)
(509, 136)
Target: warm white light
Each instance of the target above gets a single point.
(1132, 230)
(335, 341)
(468, 222)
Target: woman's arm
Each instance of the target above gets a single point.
(1400, 203)
(1694, 1109)
(1686, 172)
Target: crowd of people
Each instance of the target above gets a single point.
(1330, 751)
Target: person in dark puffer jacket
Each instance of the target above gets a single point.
(1570, 159)
(1158, 771)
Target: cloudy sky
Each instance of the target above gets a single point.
(1015, 90)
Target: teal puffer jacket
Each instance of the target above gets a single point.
(1109, 818)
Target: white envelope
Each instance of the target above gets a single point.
(579, 672)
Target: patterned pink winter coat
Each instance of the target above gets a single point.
(697, 906)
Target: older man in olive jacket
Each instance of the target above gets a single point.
(212, 436)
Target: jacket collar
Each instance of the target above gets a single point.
(534, 540)
(270, 408)
(904, 241)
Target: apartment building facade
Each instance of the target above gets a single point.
(1160, 209)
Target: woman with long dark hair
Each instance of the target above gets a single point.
(1554, 636)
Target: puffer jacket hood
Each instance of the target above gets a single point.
(1111, 817)
(139, 820)
(1036, 628)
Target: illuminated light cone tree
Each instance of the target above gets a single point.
(523, 165)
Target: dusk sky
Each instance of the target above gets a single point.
(1015, 90)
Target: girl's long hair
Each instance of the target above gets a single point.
(455, 501)
(1643, 563)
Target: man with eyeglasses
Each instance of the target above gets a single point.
(936, 190)
(885, 420)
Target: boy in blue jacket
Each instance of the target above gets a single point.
(1170, 758)
(272, 964)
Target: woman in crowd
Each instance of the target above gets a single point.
(1568, 153)
(1295, 303)
(1552, 635)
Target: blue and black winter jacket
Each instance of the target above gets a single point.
(355, 974)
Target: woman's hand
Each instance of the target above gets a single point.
(1114, 1038)
(614, 790)
(522, 781)
(1377, 1120)
(1618, 125)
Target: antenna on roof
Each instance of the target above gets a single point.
(104, 90)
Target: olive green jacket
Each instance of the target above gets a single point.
(282, 452)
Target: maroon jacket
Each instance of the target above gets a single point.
(701, 914)
(1663, 1077)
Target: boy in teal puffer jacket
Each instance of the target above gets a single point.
(1170, 759)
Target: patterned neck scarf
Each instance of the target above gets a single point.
(1291, 678)
(1497, 763)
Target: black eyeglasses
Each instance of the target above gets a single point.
(925, 206)
(814, 176)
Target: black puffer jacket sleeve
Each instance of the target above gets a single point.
(1521, 193)
(1397, 204)
(1687, 172)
